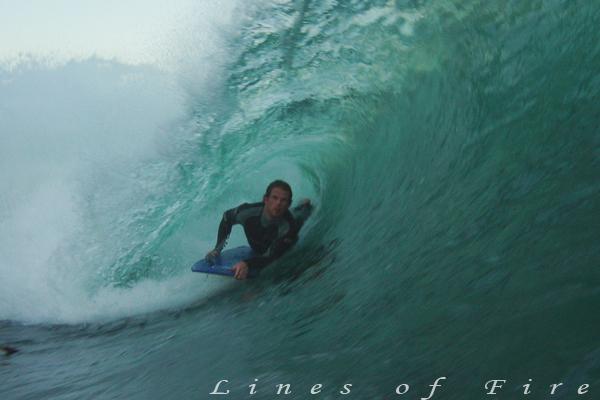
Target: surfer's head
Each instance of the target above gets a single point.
(277, 198)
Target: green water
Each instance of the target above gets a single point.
(452, 149)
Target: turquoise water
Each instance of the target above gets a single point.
(452, 150)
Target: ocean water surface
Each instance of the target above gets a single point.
(452, 150)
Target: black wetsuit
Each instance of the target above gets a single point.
(268, 238)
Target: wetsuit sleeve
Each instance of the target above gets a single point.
(301, 214)
(229, 219)
(277, 249)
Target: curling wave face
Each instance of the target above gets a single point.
(452, 152)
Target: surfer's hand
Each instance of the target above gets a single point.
(305, 203)
(240, 270)
(211, 256)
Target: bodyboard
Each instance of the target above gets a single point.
(225, 262)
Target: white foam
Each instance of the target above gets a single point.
(73, 135)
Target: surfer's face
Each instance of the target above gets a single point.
(277, 202)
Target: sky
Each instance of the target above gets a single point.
(129, 31)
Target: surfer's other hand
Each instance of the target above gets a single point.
(211, 256)
(240, 270)
(305, 203)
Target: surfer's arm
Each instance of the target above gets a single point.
(229, 219)
(302, 211)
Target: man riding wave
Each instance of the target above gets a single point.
(270, 227)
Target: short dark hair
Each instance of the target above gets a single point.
(281, 185)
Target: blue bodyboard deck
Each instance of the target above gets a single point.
(226, 261)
